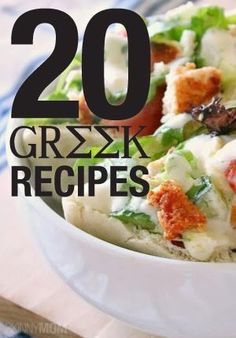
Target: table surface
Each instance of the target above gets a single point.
(27, 279)
(22, 320)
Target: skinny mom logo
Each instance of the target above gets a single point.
(28, 105)
(39, 328)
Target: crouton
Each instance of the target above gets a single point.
(176, 213)
(233, 216)
(188, 87)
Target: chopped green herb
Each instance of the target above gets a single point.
(139, 219)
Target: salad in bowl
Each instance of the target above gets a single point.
(151, 260)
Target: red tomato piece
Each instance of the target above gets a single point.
(149, 116)
(230, 174)
(163, 52)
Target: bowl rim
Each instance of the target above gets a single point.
(43, 207)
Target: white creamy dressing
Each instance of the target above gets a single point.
(214, 153)
(102, 199)
(176, 121)
(220, 162)
(141, 205)
(225, 155)
(203, 148)
(105, 203)
(115, 65)
(218, 49)
(218, 46)
(201, 246)
(179, 170)
(118, 203)
(188, 42)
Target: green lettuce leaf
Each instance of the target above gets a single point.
(193, 128)
(208, 17)
(201, 20)
(171, 137)
(139, 219)
(231, 19)
(199, 189)
(188, 155)
(156, 81)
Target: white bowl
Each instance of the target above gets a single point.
(161, 296)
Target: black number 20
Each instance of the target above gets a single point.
(27, 103)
